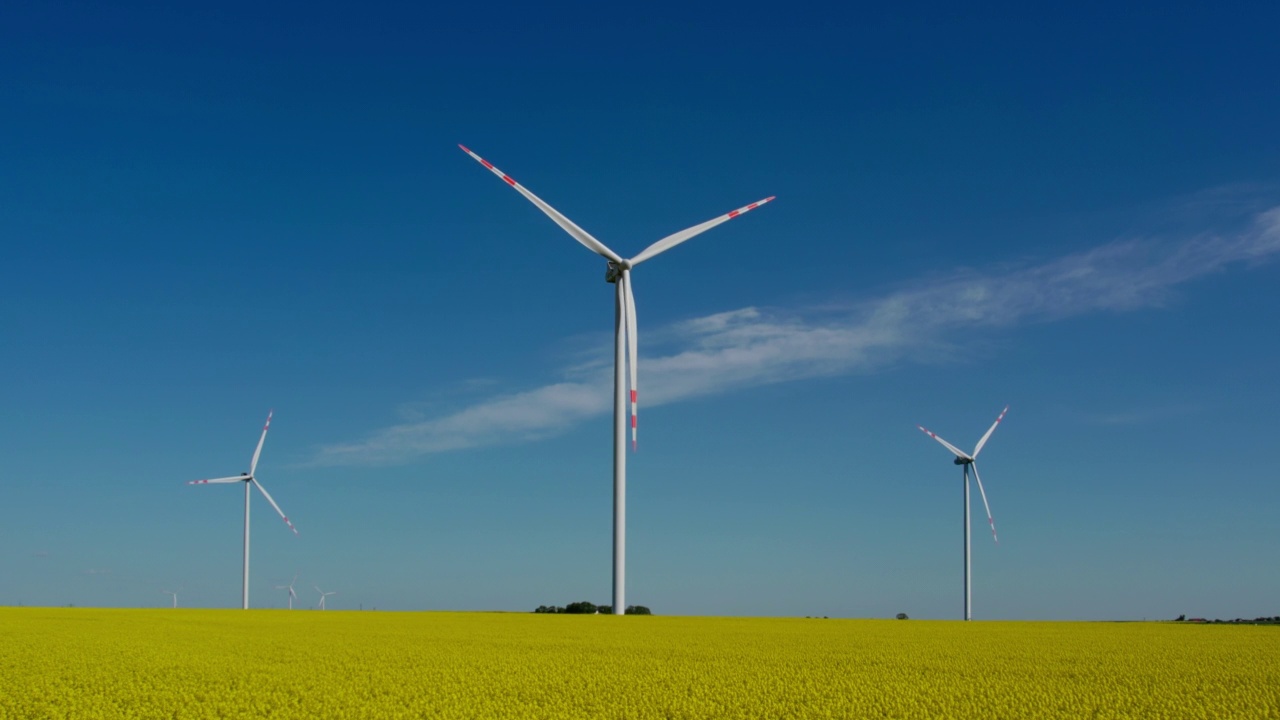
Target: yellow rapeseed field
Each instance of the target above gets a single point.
(84, 664)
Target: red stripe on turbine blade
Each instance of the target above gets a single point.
(733, 213)
(510, 182)
(464, 147)
(753, 206)
(486, 163)
(633, 396)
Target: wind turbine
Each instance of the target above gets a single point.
(965, 460)
(289, 587)
(249, 479)
(324, 594)
(618, 272)
(174, 593)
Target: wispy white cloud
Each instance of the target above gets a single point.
(754, 346)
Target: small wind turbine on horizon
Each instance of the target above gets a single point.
(618, 273)
(250, 479)
(324, 594)
(966, 461)
(174, 593)
(289, 587)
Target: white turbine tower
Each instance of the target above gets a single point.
(174, 593)
(324, 594)
(249, 479)
(289, 587)
(965, 460)
(618, 272)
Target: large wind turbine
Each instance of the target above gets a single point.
(965, 460)
(289, 587)
(324, 595)
(249, 479)
(618, 272)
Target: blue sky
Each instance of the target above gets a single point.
(207, 214)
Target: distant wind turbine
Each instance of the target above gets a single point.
(289, 587)
(324, 594)
(249, 479)
(174, 593)
(965, 460)
(618, 272)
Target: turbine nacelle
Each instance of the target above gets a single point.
(963, 461)
(613, 271)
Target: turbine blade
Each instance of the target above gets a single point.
(565, 223)
(990, 430)
(673, 240)
(958, 453)
(990, 520)
(214, 481)
(267, 495)
(633, 347)
(253, 465)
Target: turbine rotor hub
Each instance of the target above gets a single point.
(613, 270)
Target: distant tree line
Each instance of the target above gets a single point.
(586, 608)
(1238, 621)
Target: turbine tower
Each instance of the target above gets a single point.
(618, 272)
(966, 461)
(249, 479)
(174, 593)
(324, 594)
(289, 587)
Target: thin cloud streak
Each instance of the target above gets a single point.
(753, 346)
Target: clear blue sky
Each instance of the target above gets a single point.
(209, 213)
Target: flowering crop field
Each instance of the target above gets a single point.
(84, 663)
